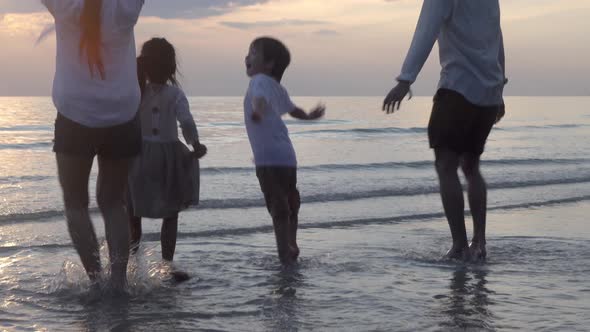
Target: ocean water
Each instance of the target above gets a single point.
(372, 229)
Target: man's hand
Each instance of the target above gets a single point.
(200, 150)
(395, 96)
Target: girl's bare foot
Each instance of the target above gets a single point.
(179, 276)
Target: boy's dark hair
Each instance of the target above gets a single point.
(157, 63)
(274, 51)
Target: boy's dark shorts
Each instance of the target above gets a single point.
(117, 142)
(459, 125)
(279, 185)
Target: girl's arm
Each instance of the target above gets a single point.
(186, 120)
(188, 126)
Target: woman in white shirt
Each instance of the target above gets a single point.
(96, 94)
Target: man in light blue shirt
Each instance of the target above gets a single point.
(468, 103)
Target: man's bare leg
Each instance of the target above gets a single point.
(477, 195)
(447, 164)
(73, 173)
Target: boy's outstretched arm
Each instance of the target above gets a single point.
(259, 106)
(316, 113)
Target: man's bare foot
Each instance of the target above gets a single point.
(477, 251)
(294, 251)
(458, 253)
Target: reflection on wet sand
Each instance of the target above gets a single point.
(280, 308)
(467, 305)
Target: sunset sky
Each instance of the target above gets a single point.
(339, 47)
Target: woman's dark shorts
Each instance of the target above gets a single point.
(459, 125)
(117, 142)
(279, 186)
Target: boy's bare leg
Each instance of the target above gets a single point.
(73, 173)
(135, 231)
(294, 205)
(447, 164)
(280, 219)
(477, 196)
(168, 236)
(112, 179)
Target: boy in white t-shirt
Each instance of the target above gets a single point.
(276, 165)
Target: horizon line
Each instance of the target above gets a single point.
(304, 96)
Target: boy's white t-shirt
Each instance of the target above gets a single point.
(80, 96)
(269, 138)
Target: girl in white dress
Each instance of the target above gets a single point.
(164, 178)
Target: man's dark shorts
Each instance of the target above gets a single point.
(117, 142)
(459, 125)
(279, 186)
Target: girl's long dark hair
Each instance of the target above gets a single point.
(91, 39)
(157, 63)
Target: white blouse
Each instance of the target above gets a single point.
(77, 94)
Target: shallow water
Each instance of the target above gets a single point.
(372, 230)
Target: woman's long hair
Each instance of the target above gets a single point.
(91, 39)
(157, 63)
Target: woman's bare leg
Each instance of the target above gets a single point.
(74, 172)
(135, 230)
(112, 180)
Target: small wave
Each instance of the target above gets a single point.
(21, 179)
(242, 203)
(26, 146)
(27, 128)
(533, 127)
(367, 221)
(363, 131)
(320, 225)
(409, 164)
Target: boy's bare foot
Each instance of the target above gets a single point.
(477, 251)
(458, 253)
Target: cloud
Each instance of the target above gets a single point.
(327, 32)
(20, 6)
(275, 23)
(193, 9)
(167, 9)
